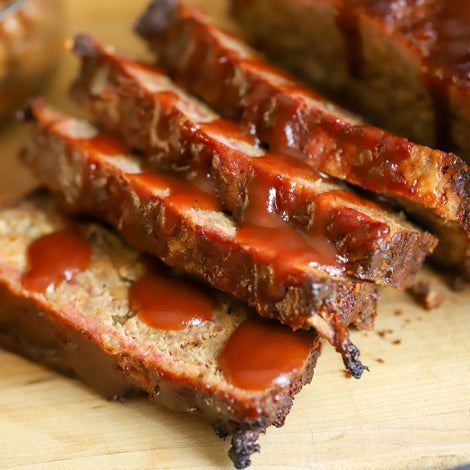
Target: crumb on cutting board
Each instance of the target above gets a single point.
(425, 296)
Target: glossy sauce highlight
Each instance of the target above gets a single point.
(262, 354)
(170, 303)
(56, 257)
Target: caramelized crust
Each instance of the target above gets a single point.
(178, 132)
(403, 63)
(183, 226)
(84, 327)
(219, 68)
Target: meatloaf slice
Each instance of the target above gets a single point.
(277, 271)
(215, 65)
(85, 326)
(404, 64)
(175, 131)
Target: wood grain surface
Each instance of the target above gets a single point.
(412, 411)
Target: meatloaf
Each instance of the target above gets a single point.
(402, 63)
(217, 66)
(86, 325)
(274, 269)
(177, 132)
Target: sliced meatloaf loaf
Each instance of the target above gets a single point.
(85, 323)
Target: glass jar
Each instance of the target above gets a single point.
(30, 43)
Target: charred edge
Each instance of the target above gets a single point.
(244, 439)
(463, 181)
(243, 446)
(156, 20)
(351, 360)
(28, 112)
(84, 46)
(347, 349)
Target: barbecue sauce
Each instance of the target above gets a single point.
(182, 193)
(170, 303)
(322, 226)
(262, 354)
(227, 129)
(272, 200)
(240, 86)
(56, 257)
(107, 145)
(269, 235)
(274, 241)
(285, 248)
(361, 154)
(289, 166)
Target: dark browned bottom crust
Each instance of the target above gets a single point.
(26, 330)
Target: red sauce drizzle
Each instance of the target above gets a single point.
(329, 221)
(285, 248)
(54, 258)
(289, 166)
(272, 239)
(208, 69)
(203, 181)
(181, 192)
(356, 230)
(168, 97)
(227, 129)
(170, 304)
(263, 353)
(107, 145)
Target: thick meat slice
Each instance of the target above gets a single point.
(432, 185)
(279, 272)
(176, 131)
(84, 326)
(403, 63)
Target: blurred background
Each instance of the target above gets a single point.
(33, 60)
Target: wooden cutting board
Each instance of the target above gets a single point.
(412, 411)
